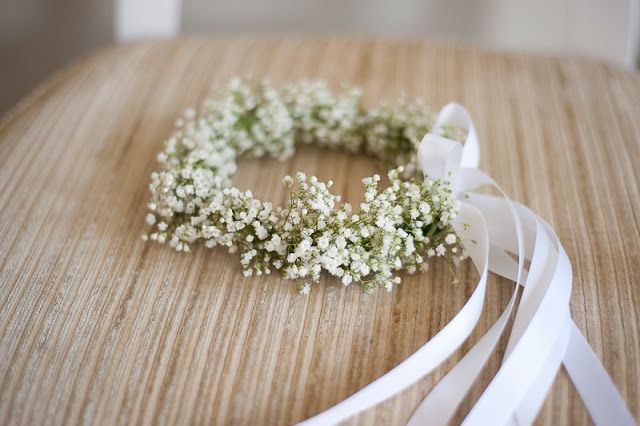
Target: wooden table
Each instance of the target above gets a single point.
(98, 326)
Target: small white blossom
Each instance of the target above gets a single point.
(347, 279)
(305, 288)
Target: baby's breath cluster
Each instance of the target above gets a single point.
(395, 228)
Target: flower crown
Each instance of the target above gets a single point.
(395, 228)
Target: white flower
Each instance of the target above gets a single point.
(450, 239)
(425, 208)
(323, 242)
(305, 288)
(347, 279)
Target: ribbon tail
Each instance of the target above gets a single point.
(441, 403)
(599, 394)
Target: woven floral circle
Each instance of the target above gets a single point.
(395, 228)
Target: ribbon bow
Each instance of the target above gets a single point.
(493, 230)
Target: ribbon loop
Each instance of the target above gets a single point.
(456, 115)
(439, 157)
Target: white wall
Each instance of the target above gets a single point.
(596, 28)
(39, 36)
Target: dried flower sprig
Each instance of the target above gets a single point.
(395, 228)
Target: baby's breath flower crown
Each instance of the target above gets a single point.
(395, 228)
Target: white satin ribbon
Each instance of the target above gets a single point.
(543, 334)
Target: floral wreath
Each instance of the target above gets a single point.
(395, 228)
(429, 208)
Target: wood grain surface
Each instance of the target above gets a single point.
(97, 326)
